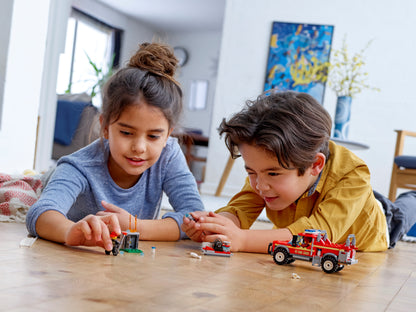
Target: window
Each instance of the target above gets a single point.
(87, 39)
(198, 95)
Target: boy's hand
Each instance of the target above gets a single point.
(219, 226)
(93, 231)
(191, 227)
(122, 215)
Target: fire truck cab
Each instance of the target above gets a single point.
(314, 246)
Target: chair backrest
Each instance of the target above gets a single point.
(78, 125)
(404, 166)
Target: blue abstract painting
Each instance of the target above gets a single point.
(299, 58)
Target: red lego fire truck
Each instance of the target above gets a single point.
(314, 246)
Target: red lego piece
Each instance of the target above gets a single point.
(217, 248)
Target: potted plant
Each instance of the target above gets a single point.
(95, 82)
(100, 76)
(347, 78)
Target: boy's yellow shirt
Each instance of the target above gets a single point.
(343, 203)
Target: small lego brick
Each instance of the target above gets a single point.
(217, 248)
(28, 241)
(190, 217)
(195, 255)
(295, 276)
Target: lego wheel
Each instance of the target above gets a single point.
(329, 264)
(107, 252)
(217, 245)
(280, 256)
(340, 267)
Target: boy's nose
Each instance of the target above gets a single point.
(261, 185)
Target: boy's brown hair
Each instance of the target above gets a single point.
(293, 126)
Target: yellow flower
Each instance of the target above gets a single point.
(346, 75)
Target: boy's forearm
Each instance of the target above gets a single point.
(53, 225)
(258, 240)
(232, 217)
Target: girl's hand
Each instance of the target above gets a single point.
(191, 227)
(218, 226)
(93, 231)
(123, 216)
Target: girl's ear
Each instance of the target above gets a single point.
(105, 129)
(318, 164)
(167, 137)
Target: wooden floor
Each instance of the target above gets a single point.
(53, 277)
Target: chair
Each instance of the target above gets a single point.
(191, 140)
(404, 166)
(224, 176)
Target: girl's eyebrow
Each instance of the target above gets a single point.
(122, 124)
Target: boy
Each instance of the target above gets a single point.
(302, 179)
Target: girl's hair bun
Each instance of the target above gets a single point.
(156, 58)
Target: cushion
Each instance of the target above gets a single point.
(68, 115)
(408, 162)
(412, 231)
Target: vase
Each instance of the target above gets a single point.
(342, 117)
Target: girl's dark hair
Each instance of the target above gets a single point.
(149, 76)
(290, 125)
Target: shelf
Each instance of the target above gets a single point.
(351, 144)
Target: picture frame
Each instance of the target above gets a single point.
(298, 58)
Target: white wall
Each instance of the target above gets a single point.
(5, 25)
(243, 59)
(204, 49)
(22, 87)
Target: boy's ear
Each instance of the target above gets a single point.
(318, 164)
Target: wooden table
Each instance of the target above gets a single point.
(53, 277)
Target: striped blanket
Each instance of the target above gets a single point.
(17, 194)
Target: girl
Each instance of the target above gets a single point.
(133, 163)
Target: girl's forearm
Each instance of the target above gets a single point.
(159, 230)
(53, 225)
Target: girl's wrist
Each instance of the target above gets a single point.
(133, 224)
